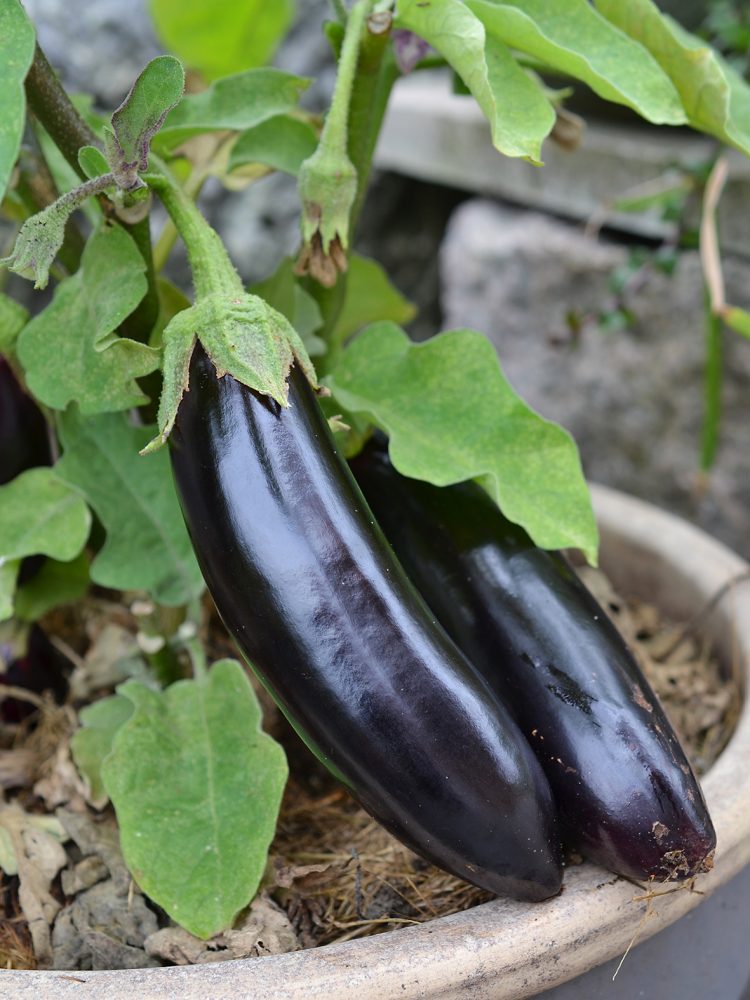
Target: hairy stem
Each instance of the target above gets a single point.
(213, 271)
(335, 129)
(69, 131)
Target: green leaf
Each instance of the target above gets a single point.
(715, 97)
(370, 298)
(55, 584)
(92, 743)
(42, 514)
(281, 142)
(224, 36)
(737, 319)
(13, 318)
(147, 546)
(514, 103)
(8, 574)
(235, 102)
(157, 90)
(17, 41)
(284, 294)
(92, 161)
(571, 37)
(196, 786)
(70, 351)
(451, 415)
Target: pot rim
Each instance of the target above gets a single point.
(507, 949)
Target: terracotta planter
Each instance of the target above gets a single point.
(506, 949)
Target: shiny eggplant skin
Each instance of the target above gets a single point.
(626, 794)
(310, 591)
(24, 441)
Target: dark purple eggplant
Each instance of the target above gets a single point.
(310, 591)
(24, 440)
(626, 794)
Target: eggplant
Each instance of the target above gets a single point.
(312, 595)
(625, 792)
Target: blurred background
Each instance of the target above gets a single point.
(585, 273)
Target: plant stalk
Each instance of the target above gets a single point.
(70, 131)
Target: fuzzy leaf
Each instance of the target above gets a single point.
(147, 546)
(42, 514)
(281, 142)
(17, 41)
(196, 786)
(55, 584)
(243, 336)
(370, 297)
(715, 97)
(451, 415)
(571, 37)
(514, 103)
(92, 743)
(92, 161)
(13, 318)
(157, 90)
(70, 351)
(235, 102)
(224, 36)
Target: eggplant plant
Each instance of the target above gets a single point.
(202, 441)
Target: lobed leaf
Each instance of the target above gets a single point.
(514, 103)
(571, 37)
(42, 514)
(224, 36)
(235, 103)
(370, 297)
(715, 97)
(451, 415)
(17, 42)
(146, 545)
(196, 786)
(70, 352)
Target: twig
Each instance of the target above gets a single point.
(692, 626)
(709, 239)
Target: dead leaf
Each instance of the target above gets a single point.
(39, 856)
(112, 657)
(264, 930)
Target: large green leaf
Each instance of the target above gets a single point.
(222, 37)
(715, 97)
(42, 514)
(54, 584)
(196, 786)
(514, 103)
(17, 40)
(571, 37)
(236, 102)
(70, 351)
(451, 415)
(147, 546)
(282, 143)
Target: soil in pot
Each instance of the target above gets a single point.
(333, 874)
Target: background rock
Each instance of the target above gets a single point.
(632, 398)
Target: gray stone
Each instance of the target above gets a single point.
(633, 399)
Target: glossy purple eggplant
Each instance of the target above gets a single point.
(311, 593)
(24, 439)
(626, 794)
